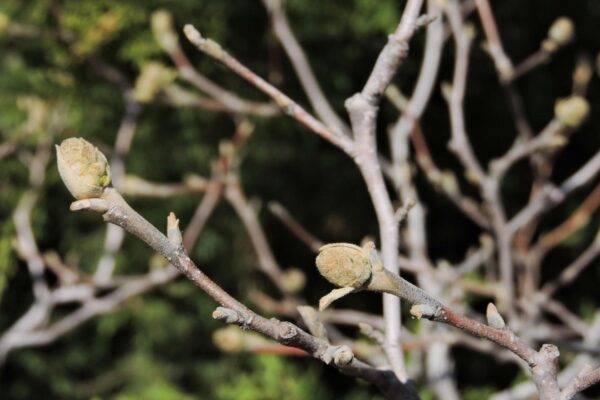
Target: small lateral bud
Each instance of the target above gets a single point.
(448, 182)
(293, 280)
(571, 111)
(422, 311)
(494, 319)
(83, 168)
(226, 315)
(343, 356)
(173, 232)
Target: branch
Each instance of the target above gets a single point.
(162, 27)
(78, 166)
(307, 78)
(584, 380)
(288, 106)
(362, 109)
(551, 196)
(295, 227)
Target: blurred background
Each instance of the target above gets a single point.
(64, 65)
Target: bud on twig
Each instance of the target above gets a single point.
(344, 264)
(162, 27)
(571, 111)
(494, 319)
(293, 280)
(83, 168)
(562, 31)
(152, 80)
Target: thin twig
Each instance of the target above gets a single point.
(214, 50)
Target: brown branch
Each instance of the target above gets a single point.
(266, 260)
(300, 63)
(291, 108)
(115, 210)
(501, 60)
(578, 219)
(295, 227)
(584, 380)
(551, 196)
(162, 26)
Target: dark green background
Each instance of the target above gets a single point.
(158, 346)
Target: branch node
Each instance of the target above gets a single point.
(287, 331)
(494, 319)
(343, 356)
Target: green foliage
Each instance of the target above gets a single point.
(479, 393)
(273, 378)
(7, 260)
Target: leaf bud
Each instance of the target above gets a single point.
(571, 111)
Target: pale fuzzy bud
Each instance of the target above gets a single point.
(448, 182)
(344, 264)
(572, 111)
(562, 31)
(162, 27)
(153, 78)
(83, 168)
(494, 319)
(582, 73)
(293, 280)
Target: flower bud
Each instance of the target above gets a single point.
(153, 79)
(83, 168)
(562, 31)
(344, 264)
(162, 27)
(293, 280)
(571, 111)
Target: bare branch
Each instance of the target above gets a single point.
(309, 82)
(214, 50)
